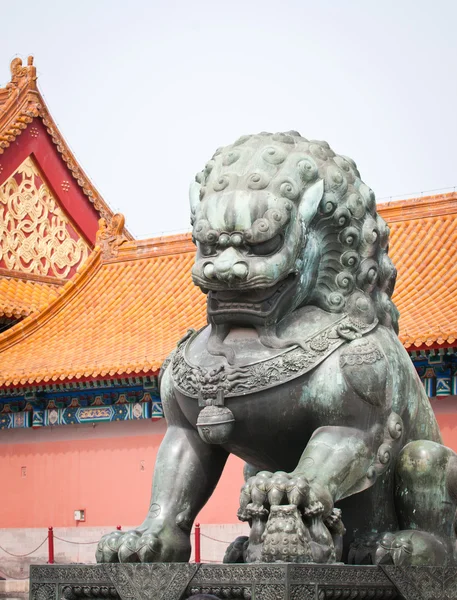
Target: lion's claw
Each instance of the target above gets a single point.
(148, 548)
(394, 549)
(108, 546)
(267, 489)
(315, 509)
(128, 548)
(159, 544)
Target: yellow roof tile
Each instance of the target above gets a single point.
(112, 321)
(20, 297)
(423, 247)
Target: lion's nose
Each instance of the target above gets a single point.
(226, 267)
(237, 271)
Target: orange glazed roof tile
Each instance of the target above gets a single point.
(423, 247)
(20, 297)
(131, 301)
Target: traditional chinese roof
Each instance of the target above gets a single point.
(131, 301)
(21, 107)
(423, 247)
(49, 209)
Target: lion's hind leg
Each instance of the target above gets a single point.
(426, 502)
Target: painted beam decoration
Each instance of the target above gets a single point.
(118, 400)
(437, 370)
(136, 398)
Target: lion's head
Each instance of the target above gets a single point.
(280, 222)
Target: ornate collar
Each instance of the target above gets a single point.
(212, 385)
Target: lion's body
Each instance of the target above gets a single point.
(273, 427)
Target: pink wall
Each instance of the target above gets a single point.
(446, 415)
(107, 470)
(108, 476)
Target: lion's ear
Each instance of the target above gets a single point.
(194, 198)
(310, 201)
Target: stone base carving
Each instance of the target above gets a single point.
(279, 581)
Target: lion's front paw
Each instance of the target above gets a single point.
(267, 489)
(411, 548)
(160, 543)
(394, 549)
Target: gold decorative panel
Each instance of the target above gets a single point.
(35, 234)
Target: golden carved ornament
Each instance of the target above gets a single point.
(35, 233)
(111, 236)
(19, 72)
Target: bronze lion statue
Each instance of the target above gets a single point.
(300, 373)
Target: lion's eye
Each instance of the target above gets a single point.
(268, 247)
(207, 250)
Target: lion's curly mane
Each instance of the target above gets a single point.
(355, 273)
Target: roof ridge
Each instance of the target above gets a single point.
(71, 288)
(20, 102)
(419, 207)
(165, 245)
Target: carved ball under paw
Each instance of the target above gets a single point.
(285, 537)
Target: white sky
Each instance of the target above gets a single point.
(145, 91)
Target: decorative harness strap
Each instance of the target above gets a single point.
(215, 421)
(212, 385)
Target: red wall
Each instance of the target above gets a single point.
(448, 426)
(109, 477)
(107, 470)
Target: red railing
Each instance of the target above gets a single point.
(51, 537)
(50, 545)
(197, 543)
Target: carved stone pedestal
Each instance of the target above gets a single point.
(277, 581)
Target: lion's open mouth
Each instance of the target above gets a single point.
(259, 302)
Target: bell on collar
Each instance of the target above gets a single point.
(215, 424)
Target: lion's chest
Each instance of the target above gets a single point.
(280, 394)
(249, 366)
(271, 427)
